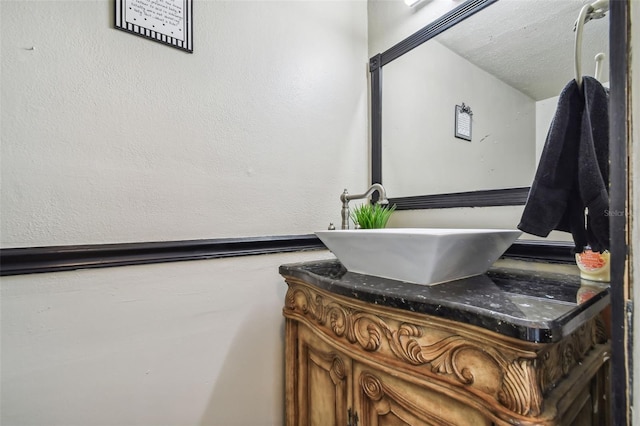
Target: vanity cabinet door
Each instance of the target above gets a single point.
(591, 407)
(385, 400)
(324, 382)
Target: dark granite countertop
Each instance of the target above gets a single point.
(530, 304)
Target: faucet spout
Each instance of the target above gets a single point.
(346, 197)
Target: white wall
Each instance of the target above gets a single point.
(187, 343)
(108, 137)
(491, 217)
(485, 217)
(545, 110)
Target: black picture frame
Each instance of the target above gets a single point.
(462, 128)
(168, 22)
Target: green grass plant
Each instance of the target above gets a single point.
(369, 216)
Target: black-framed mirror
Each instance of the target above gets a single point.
(495, 56)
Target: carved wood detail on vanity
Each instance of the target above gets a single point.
(559, 359)
(500, 376)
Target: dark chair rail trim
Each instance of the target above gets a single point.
(542, 251)
(31, 260)
(486, 198)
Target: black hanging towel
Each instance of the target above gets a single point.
(573, 172)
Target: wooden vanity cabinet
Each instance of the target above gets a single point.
(358, 364)
(333, 389)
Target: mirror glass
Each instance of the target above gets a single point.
(508, 63)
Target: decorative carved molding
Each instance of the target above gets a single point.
(337, 372)
(516, 377)
(382, 399)
(371, 386)
(602, 331)
(558, 360)
(520, 392)
(332, 363)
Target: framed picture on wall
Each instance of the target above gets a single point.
(165, 21)
(463, 122)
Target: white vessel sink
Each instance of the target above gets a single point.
(419, 255)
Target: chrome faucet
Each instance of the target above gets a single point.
(345, 198)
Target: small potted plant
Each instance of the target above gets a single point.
(367, 216)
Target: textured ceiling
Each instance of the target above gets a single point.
(529, 44)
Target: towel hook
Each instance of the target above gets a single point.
(588, 12)
(599, 58)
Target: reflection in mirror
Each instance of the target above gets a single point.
(508, 63)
